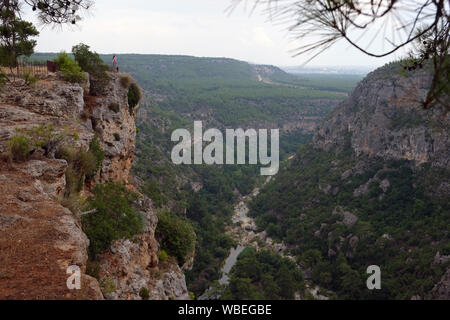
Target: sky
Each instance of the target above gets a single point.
(201, 28)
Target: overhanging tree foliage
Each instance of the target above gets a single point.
(377, 28)
(51, 11)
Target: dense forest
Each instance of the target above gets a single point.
(263, 275)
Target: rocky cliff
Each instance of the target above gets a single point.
(371, 189)
(39, 237)
(384, 118)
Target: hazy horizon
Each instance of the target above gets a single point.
(199, 28)
(283, 67)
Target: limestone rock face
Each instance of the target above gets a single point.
(39, 237)
(51, 97)
(384, 118)
(114, 122)
(133, 265)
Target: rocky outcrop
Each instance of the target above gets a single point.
(114, 122)
(384, 118)
(39, 237)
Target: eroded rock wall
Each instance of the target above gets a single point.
(39, 237)
(384, 118)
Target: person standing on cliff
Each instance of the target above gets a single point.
(115, 65)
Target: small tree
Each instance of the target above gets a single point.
(69, 68)
(15, 39)
(91, 62)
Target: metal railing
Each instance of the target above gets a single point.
(27, 68)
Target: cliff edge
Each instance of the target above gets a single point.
(39, 236)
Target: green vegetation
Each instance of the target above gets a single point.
(331, 82)
(400, 228)
(263, 275)
(43, 136)
(91, 62)
(175, 235)
(115, 217)
(162, 255)
(93, 269)
(82, 165)
(69, 68)
(134, 96)
(29, 79)
(228, 88)
(144, 293)
(229, 92)
(99, 155)
(19, 148)
(107, 285)
(27, 140)
(152, 190)
(15, 35)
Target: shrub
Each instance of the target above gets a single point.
(144, 293)
(162, 255)
(126, 80)
(153, 191)
(69, 68)
(43, 136)
(82, 164)
(91, 62)
(107, 285)
(29, 79)
(97, 151)
(134, 96)
(114, 107)
(74, 181)
(86, 163)
(116, 136)
(115, 218)
(156, 274)
(19, 147)
(176, 235)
